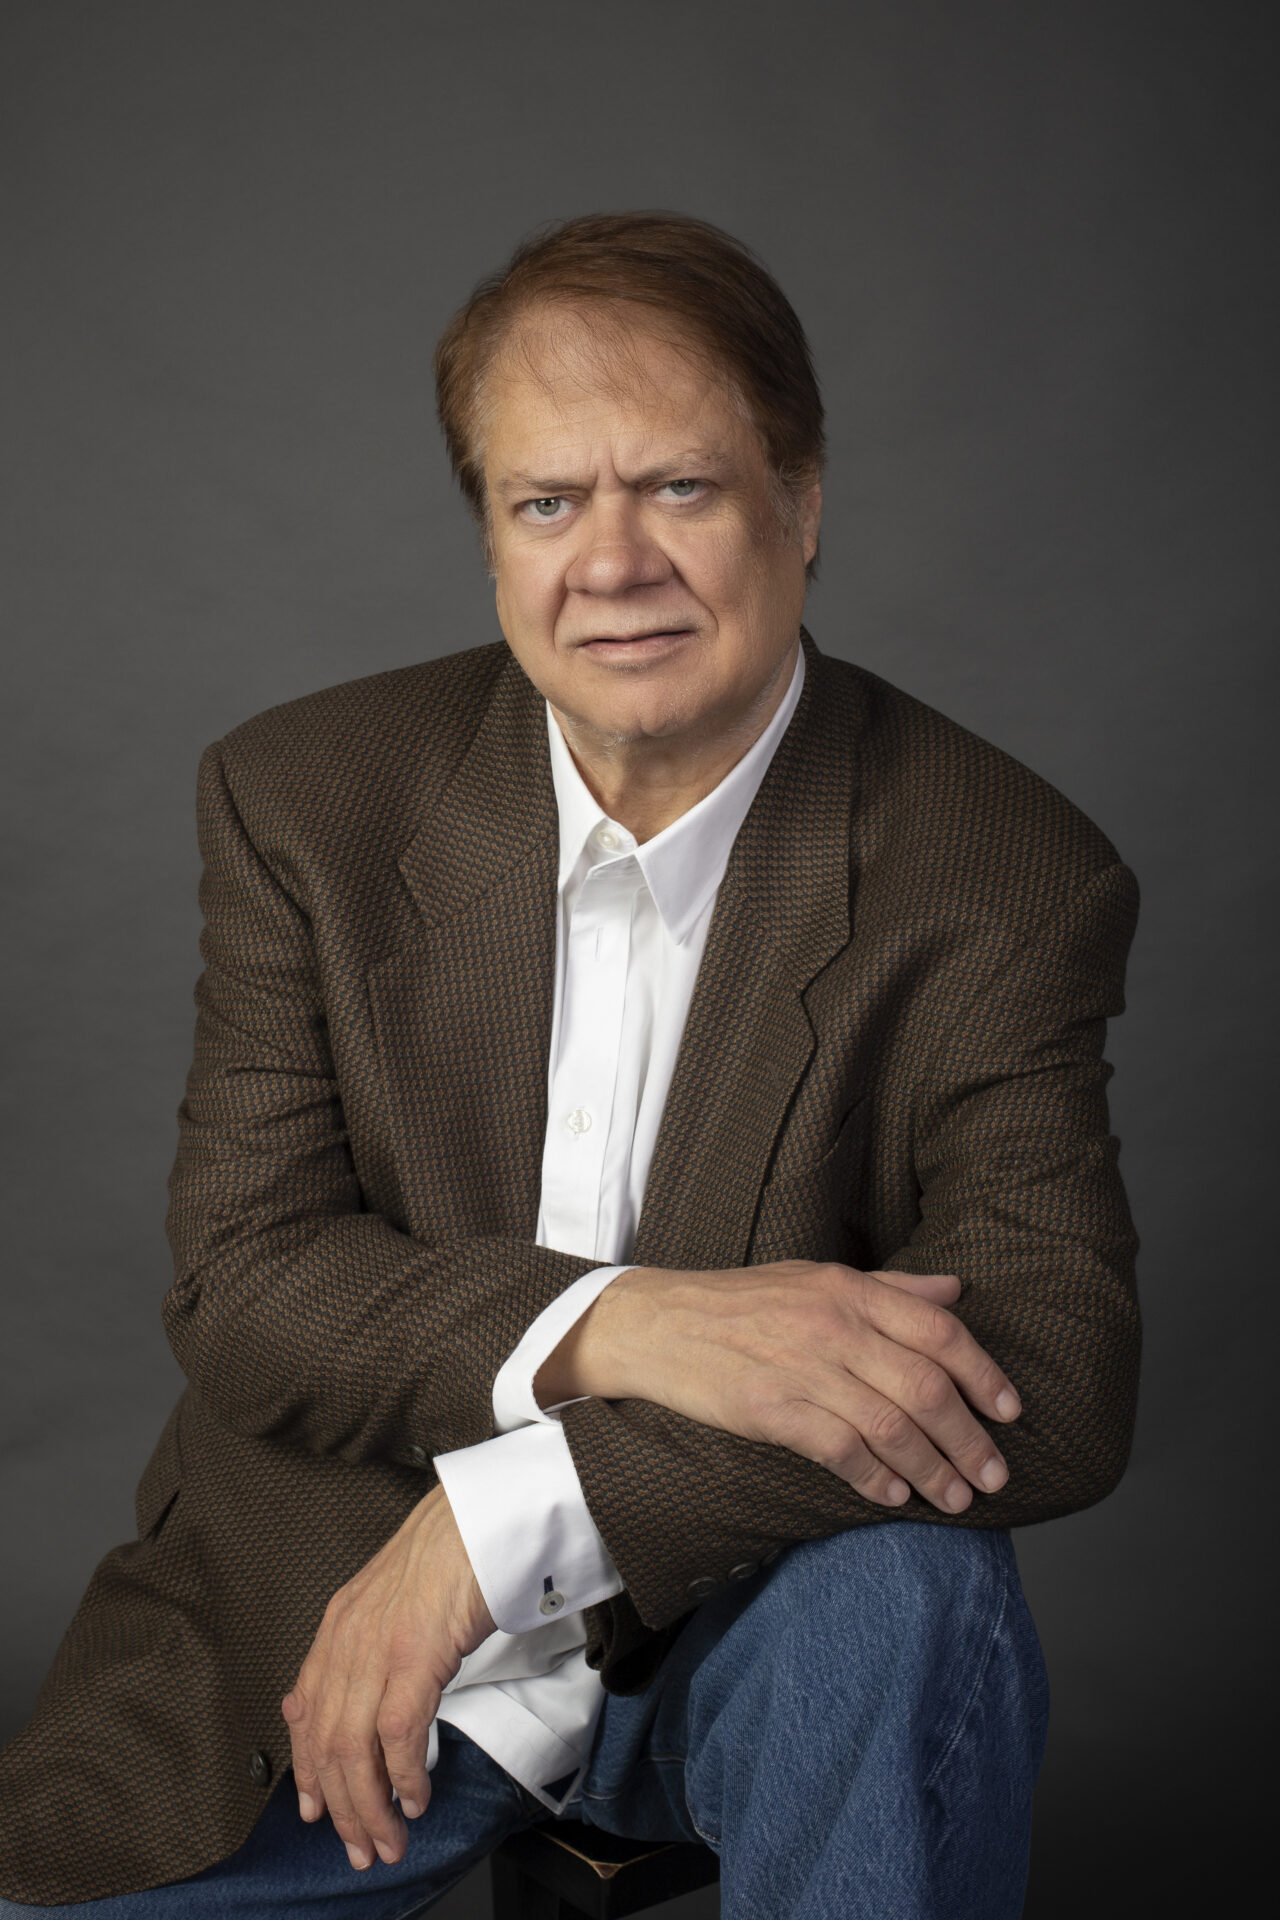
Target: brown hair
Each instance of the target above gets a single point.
(711, 286)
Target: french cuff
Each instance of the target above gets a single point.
(534, 1547)
(514, 1404)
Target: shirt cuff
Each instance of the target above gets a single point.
(514, 1404)
(536, 1551)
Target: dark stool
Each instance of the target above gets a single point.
(565, 1870)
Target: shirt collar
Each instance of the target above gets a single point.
(684, 864)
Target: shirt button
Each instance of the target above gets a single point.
(259, 1768)
(419, 1455)
(578, 1121)
(744, 1570)
(607, 838)
(551, 1602)
(699, 1589)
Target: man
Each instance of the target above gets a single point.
(645, 1219)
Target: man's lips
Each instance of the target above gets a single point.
(635, 639)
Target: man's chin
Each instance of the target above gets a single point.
(631, 718)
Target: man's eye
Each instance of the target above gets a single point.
(546, 508)
(682, 489)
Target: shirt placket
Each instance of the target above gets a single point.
(597, 955)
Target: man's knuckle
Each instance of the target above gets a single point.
(928, 1386)
(835, 1454)
(857, 1465)
(945, 1334)
(396, 1724)
(889, 1427)
(770, 1404)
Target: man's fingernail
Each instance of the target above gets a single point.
(1008, 1405)
(898, 1491)
(307, 1807)
(994, 1475)
(358, 1857)
(386, 1854)
(411, 1809)
(957, 1496)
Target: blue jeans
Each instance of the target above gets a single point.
(856, 1730)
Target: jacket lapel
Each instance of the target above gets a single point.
(462, 1010)
(782, 913)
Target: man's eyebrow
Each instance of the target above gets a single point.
(685, 466)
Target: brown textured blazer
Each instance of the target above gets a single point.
(894, 1057)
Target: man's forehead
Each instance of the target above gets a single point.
(576, 373)
(535, 433)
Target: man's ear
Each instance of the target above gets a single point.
(811, 521)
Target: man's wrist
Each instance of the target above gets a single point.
(467, 1602)
(598, 1356)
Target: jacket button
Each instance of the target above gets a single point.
(419, 1455)
(699, 1589)
(259, 1768)
(744, 1570)
(551, 1602)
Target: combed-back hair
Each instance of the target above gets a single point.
(709, 291)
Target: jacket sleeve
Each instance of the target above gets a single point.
(295, 1312)
(1020, 1195)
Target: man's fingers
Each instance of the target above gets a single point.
(895, 1441)
(403, 1724)
(818, 1434)
(913, 1318)
(871, 1440)
(359, 1800)
(306, 1780)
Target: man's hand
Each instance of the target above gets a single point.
(866, 1373)
(389, 1643)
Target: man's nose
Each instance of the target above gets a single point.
(617, 552)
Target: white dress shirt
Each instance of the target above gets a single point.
(631, 929)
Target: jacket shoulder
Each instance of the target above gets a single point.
(433, 703)
(958, 821)
(379, 744)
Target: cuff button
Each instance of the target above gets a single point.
(699, 1589)
(419, 1455)
(744, 1570)
(551, 1602)
(259, 1768)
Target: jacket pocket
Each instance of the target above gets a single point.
(161, 1479)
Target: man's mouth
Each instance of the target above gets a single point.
(651, 636)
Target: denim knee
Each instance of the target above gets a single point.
(918, 1571)
(875, 1710)
(833, 1619)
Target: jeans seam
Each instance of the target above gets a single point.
(979, 1676)
(649, 1759)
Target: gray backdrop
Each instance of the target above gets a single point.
(1030, 244)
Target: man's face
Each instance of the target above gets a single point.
(643, 580)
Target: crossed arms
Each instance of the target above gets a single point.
(301, 1315)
